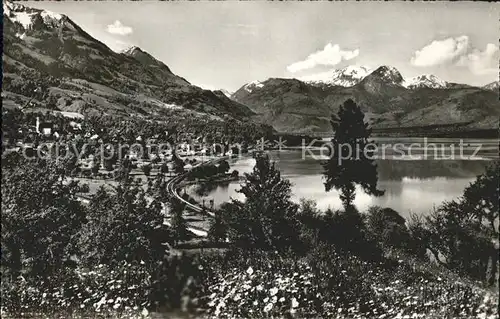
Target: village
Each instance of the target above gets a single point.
(65, 135)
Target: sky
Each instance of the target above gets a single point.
(223, 45)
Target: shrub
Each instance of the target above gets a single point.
(267, 218)
(123, 226)
(146, 169)
(387, 227)
(235, 174)
(346, 231)
(329, 285)
(123, 289)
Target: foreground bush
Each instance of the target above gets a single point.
(269, 287)
(246, 284)
(122, 290)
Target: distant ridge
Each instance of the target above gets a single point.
(388, 100)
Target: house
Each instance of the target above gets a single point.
(75, 126)
(44, 128)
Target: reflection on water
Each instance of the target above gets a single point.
(205, 188)
(411, 186)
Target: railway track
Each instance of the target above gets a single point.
(172, 190)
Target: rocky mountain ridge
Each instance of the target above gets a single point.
(388, 100)
(78, 73)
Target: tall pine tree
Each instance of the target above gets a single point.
(351, 162)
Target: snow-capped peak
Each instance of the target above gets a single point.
(348, 76)
(493, 86)
(9, 6)
(425, 80)
(353, 74)
(130, 50)
(388, 74)
(226, 92)
(49, 15)
(25, 16)
(18, 13)
(253, 85)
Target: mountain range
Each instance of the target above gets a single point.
(388, 100)
(352, 75)
(493, 86)
(77, 73)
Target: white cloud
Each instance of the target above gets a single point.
(459, 52)
(330, 55)
(441, 52)
(118, 28)
(482, 62)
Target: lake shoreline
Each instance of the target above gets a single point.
(411, 186)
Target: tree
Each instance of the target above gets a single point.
(40, 215)
(95, 168)
(387, 227)
(178, 164)
(309, 222)
(218, 229)
(178, 223)
(109, 159)
(463, 234)
(351, 162)
(164, 168)
(347, 232)
(223, 167)
(267, 217)
(108, 165)
(146, 169)
(235, 174)
(419, 236)
(124, 225)
(457, 241)
(122, 173)
(157, 187)
(481, 198)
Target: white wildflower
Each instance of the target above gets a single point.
(250, 271)
(268, 307)
(273, 291)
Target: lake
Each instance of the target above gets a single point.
(411, 185)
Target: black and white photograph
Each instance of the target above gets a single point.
(250, 159)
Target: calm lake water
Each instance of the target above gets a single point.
(411, 185)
